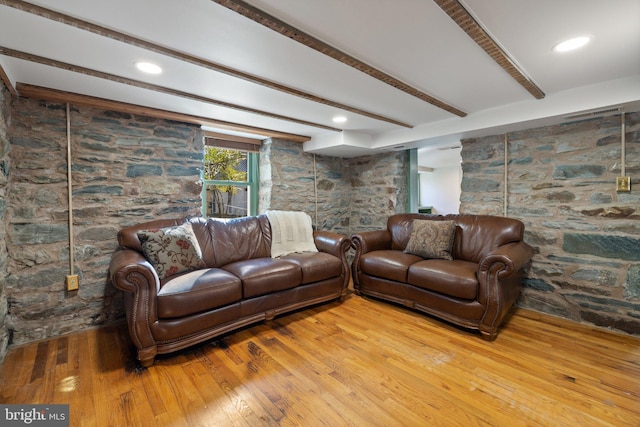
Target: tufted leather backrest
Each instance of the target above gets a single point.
(222, 241)
(476, 235)
(237, 239)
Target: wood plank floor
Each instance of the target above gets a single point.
(359, 363)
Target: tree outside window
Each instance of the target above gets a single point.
(228, 182)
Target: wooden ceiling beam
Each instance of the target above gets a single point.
(148, 86)
(461, 16)
(182, 56)
(54, 95)
(281, 27)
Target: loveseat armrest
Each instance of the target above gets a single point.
(132, 273)
(512, 256)
(368, 241)
(332, 243)
(500, 276)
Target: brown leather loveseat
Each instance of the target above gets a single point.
(234, 283)
(473, 284)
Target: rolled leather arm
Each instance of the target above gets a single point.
(336, 245)
(130, 271)
(368, 241)
(332, 243)
(513, 256)
(500, 278)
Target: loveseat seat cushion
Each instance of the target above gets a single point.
(198, 291)
(315, 266)
(388, 264)
(453, 278)
(262, 276)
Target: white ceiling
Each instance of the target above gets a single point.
(412, 40)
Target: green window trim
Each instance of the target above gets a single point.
(252, 183)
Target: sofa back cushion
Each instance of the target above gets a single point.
(475, 236)
(236, 239)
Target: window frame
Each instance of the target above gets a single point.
(251, 146)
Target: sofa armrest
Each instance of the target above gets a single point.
(369, 241)
(512, 256)
(500, 275)
(336, 245)
(132, 273)
(331, 243)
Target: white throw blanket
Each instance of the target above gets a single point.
(290, 232)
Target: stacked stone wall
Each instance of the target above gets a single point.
(126, 169)
(5, 120)
(379, 188)
(291, 179)
(561, 183)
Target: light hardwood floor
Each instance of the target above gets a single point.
(359, 363)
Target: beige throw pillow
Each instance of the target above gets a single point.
(171, 250)
(431, 239)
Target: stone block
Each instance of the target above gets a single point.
(138, 170)
(605, 246)
(578, 171)
(38, 233)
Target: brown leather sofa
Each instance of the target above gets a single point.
(475, 289)
(239, 283)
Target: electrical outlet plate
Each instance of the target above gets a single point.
(72, 282)
(624, 184)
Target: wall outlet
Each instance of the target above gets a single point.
(72, 282)
(623, 184)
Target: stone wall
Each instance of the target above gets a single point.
(352, 194)
(125, 169)
(562, 184)
(5, 120)
(287, 183)
(379, 188)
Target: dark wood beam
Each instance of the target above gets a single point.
(156, 88)
(469, 25)
(182, 56)
(53, 95)
(308, 40)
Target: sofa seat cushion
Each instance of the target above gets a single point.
(261, 276)
(455, 278)
(388, 264)
(198, 291)
(316, 266)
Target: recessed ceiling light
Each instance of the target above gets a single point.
(148, 67)
(572, 44)
(339, 119)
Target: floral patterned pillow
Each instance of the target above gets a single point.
(171, 250)
(431, 239)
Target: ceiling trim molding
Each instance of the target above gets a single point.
(287, 30)
(461, 16)
(134, 41)
(156, 88)
(54, 95)
(7, 82)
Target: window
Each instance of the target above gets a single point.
(230, 177)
